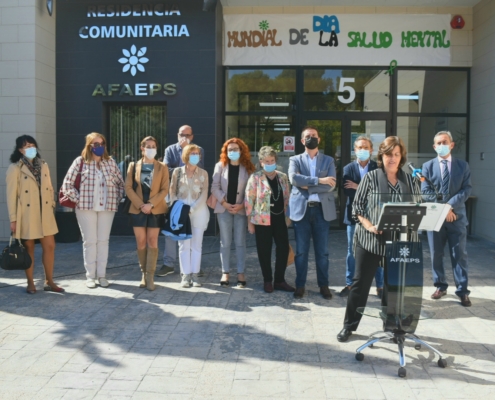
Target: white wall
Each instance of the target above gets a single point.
(482, 137)
(27, 85)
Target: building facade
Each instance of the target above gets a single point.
(136, 68)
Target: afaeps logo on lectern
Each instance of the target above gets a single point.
(404, 252)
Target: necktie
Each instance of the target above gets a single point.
(445, 177)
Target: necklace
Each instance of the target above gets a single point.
(278, 192)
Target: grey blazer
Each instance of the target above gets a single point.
(300, 176)
(220, 184)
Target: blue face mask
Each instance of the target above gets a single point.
(442, 149)
(363, 155)
(194, 159)
(270, 168)
(233, 155)
(98, 151)
(31, 152)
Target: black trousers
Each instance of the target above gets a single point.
(265, 235)
(366, 265)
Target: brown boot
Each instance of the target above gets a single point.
(142, 264)
(151, 258)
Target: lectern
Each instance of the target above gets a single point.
(401, 306)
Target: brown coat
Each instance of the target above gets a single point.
(23, 202)
(159, 188)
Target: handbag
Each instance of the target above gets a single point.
(292, 256)
(126, 203)
(62, 198)
(167, 215)
(15, 256)
(212, 201)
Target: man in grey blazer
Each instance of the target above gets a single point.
(452, 178)
(173, 159)
(311, 208)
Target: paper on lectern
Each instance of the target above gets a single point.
(435, 216)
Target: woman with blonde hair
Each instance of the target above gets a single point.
(97, 199)
(146, 186)
(190, 185)
(30, 202)
(229, 185)
(267, 201)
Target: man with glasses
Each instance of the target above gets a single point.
(173, 159)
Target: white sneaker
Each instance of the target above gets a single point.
(103, 282)
(186, 281)
(195, 280)
(90, 283)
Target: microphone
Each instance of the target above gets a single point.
(416, 172)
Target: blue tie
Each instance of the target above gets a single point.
(445, 178)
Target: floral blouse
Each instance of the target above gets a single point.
(192, 191)
(258, 194)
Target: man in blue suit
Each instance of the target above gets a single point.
(452, 178)
(353, 173)
(311, 208)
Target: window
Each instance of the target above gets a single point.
(129, 124)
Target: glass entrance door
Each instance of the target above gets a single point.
(337, 140)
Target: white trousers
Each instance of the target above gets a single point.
(95, 230)
(190, 252)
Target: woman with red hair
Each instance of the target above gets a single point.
(229, 184)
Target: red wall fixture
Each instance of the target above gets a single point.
(457, 22)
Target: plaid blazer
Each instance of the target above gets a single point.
(84, 197)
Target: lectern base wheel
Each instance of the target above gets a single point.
(359, 356)
(402, 372)
(442, 363)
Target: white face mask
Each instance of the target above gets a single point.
(150, 153)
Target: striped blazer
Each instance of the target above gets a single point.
(84, 197)
(370, 197)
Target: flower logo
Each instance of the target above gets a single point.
(404, 252)
(264, 25)
(133, 61)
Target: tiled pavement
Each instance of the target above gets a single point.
(224, 343)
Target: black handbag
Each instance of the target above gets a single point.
(15, 256)
(126, 204)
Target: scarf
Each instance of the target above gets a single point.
(34, 167)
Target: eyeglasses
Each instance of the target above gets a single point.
(98, 144)
(237, 149)
(185, 135)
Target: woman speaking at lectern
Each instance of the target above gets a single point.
(369, 243)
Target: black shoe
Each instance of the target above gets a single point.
(344, 335)
(345, 292)
(165, 270)
(325, 292)
(299, 293)
(224, 283)
(465, 301)
(284, 286)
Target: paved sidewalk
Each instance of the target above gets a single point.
(222, 343)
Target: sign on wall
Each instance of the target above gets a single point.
(342, 39)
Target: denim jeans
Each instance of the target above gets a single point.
(312, 224)
(232, 225)
(350, 262)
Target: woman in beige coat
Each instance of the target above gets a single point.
(146, 186)
(30, 201)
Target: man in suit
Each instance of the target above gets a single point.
(173, 159)
(353, 173)
(452, 178)
(311, 208)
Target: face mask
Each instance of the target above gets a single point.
(442, 150)
(233, 155)
(270, 168)
(150, 153)
(31, 152)
(363, 155)
(187, 140)
(194, 159)
(98, 151)
(311, 143)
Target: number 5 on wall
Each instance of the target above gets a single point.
(344, 88)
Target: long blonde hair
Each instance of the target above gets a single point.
(86, 154)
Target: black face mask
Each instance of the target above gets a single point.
(311, 142)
